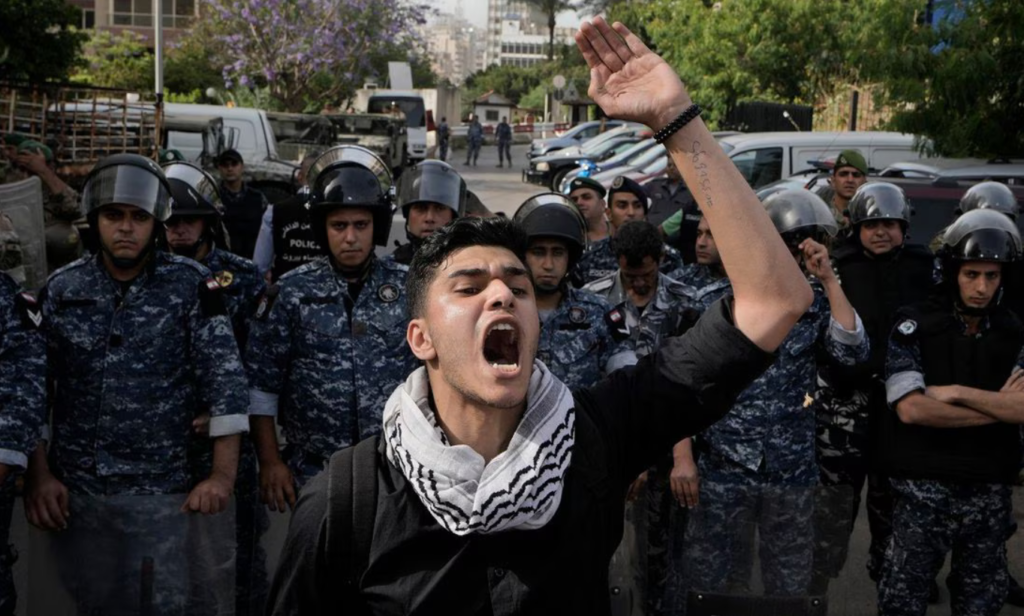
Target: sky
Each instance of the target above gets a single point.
(476, 12)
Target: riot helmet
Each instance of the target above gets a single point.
(799, 214)
(979, 235)
(879, 201)
(350, 176)
(554, 215)
(128, 179)
(432, 181)
(989, 196)
(194, 193)
(982, 235)
(125, 179)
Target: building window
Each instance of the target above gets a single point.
(88, 19)
(139, 13)
(491, 115)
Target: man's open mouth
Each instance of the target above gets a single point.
(501, 347)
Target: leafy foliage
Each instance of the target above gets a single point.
(38, 40)
(116, 61)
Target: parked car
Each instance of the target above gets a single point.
(763, 158)
(927, 168)
(1007, 173)
(575, 136)
(551, 169)
(638, 155)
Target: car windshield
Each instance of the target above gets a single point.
(411, 107)
(646, 156)
(598, 144)
(362, 125)
(628, 155)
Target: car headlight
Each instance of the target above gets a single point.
(543, 167)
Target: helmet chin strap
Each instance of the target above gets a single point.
(979, 312)
(191, 251)
(127, 264)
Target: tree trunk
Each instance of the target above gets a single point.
(551, 35)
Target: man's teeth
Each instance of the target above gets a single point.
(503, 326)
(505, 367)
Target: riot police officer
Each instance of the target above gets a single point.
(431, 194)
(627, 201)
(328, 345)
(140, 345)
(23, 400)
(880, 272)
(195, 230)
(757, 466)
(575, 342)
(952, 445)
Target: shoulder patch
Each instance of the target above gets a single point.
(907, 327)
(30, 311)
(224, 278)
(211, 298)
(388, 293)
(577, 315)
(266, 302)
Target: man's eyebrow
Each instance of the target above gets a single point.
(508, 270)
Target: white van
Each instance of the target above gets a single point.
(763, 158)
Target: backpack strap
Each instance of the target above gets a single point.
(351, 513)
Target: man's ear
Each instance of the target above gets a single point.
(418, 337)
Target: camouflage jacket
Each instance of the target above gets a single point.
(707, 286)
(133, 365)
(22, 374)
(325, 363)
(600, 261)
(771, 425)
(243, 286)
(671, 312)
(576, 343)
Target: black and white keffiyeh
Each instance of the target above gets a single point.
(521, 488)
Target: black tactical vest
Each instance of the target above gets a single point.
(877, 287)
(294, 244)
(985, 454)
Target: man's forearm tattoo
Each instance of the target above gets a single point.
(698, 154)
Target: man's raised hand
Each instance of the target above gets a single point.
(628, 80)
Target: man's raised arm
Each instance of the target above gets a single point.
(630, 82)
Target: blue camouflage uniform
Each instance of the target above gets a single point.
(671, 311)
(934, 515)
(599, 261)
(324, 362)
(758, 468)
(23, 404)
(576, 344)
(243, 286)
(706, 284)
(133, 364)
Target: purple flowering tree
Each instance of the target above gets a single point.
(308, 50)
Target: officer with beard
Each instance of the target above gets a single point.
(575, 341)
(432, 194)
(880, 273)
(328, 345)
(952, 443)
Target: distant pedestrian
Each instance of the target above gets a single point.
(243, 205)
(443, 133)
(475, 136)
(504, 134)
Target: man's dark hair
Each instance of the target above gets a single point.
(638, 239)
(460, 233)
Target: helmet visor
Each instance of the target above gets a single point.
(201, 183)
(427, 183)
(127, 185)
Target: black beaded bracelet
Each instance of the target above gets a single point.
(674, 126)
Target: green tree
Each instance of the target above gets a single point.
(38, 39)
(116, 61)
(963, 87)
(189, 66)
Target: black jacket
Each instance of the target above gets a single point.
(623, 425)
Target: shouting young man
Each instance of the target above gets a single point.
(497, 489)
